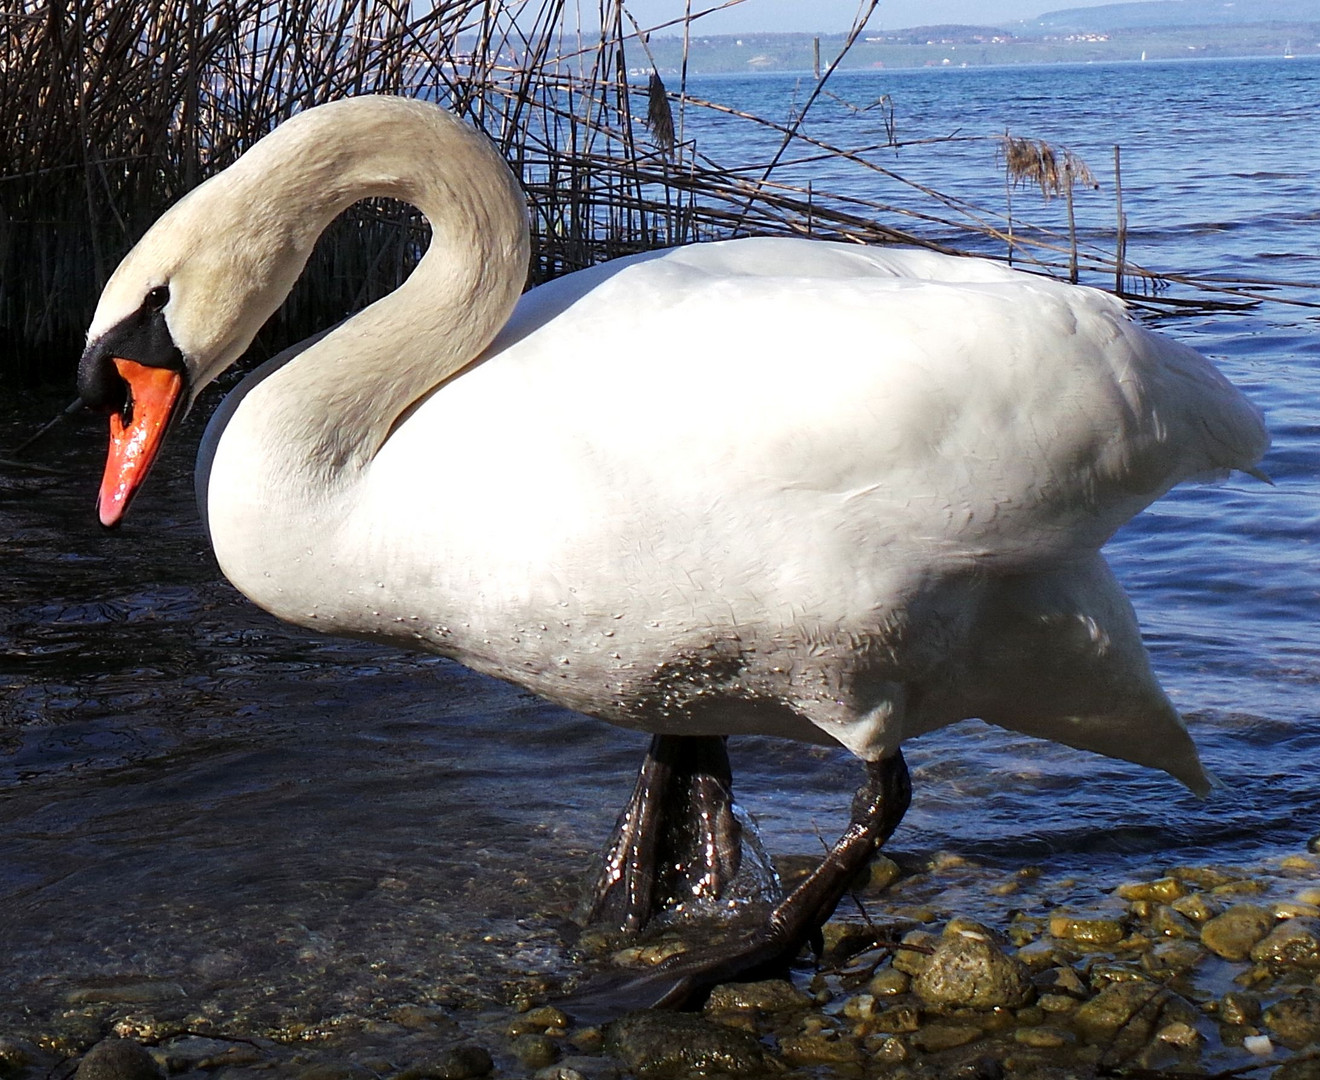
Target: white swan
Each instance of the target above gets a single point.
(834, 493)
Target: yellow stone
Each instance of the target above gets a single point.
(1087, 931)
(1163, 890)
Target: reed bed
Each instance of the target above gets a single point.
(110, 111)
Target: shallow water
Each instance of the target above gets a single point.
(290, 829)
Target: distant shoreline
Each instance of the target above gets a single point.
(969, 47)
(1060, 64)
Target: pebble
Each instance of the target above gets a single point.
(886, 1050)
(1097, 931)
(1206, 877)
(913, 960)
(1232, 934)
(1197, 906)
(942, 1036)
(1241, 887)
(200, 1052)
(819, 1050)
(1294, 943)
(1179, 1033)
(1044, 1038)
(535, 1051)
(889, 982)
(1039, 955)
(895, 1020)
(423, 1017)
(1164, 890)
(881, 874)
(649, 955)
(1172, 958)
(538, 1022)
(1165, 921)
(1259, 1045)
(969, 970)
(1063, 980)
(1239, 1007)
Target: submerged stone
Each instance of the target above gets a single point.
(1295, 1021)
(1299, 1068)
(16, 1055)
(939, 1036)
(657, 1044)
(769, 995)
(464, 1062)
(118, 1059)
(1132, 1010)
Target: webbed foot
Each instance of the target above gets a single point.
(877, 809)
(676, 840)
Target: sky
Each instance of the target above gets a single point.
(836, 16)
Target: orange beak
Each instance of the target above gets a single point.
(153, 393)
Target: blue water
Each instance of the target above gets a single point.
(293, 827)
(1220, 177)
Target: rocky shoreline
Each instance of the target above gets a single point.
(1202, 971)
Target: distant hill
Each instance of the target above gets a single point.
(1157, 30)
(1174, 13)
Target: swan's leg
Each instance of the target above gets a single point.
(677, 838)
(877, 809)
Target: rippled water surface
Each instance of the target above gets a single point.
(284, 828)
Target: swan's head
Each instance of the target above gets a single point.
(183, 305)
(189, 298)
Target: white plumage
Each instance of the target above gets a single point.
(769, 485)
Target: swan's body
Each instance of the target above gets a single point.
(765, 485)
(821, 491)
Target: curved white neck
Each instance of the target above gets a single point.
(286, 455)
(337, 402)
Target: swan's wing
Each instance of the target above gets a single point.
(875, 462)
(950, 403)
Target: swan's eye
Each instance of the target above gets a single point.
(157, 298)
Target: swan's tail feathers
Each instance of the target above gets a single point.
(1202, 416)
(1064, 661)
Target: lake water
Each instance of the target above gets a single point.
(273, 829)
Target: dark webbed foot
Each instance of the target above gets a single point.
(677, 839)
(877, 809)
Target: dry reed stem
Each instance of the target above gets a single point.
(1053, 171)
